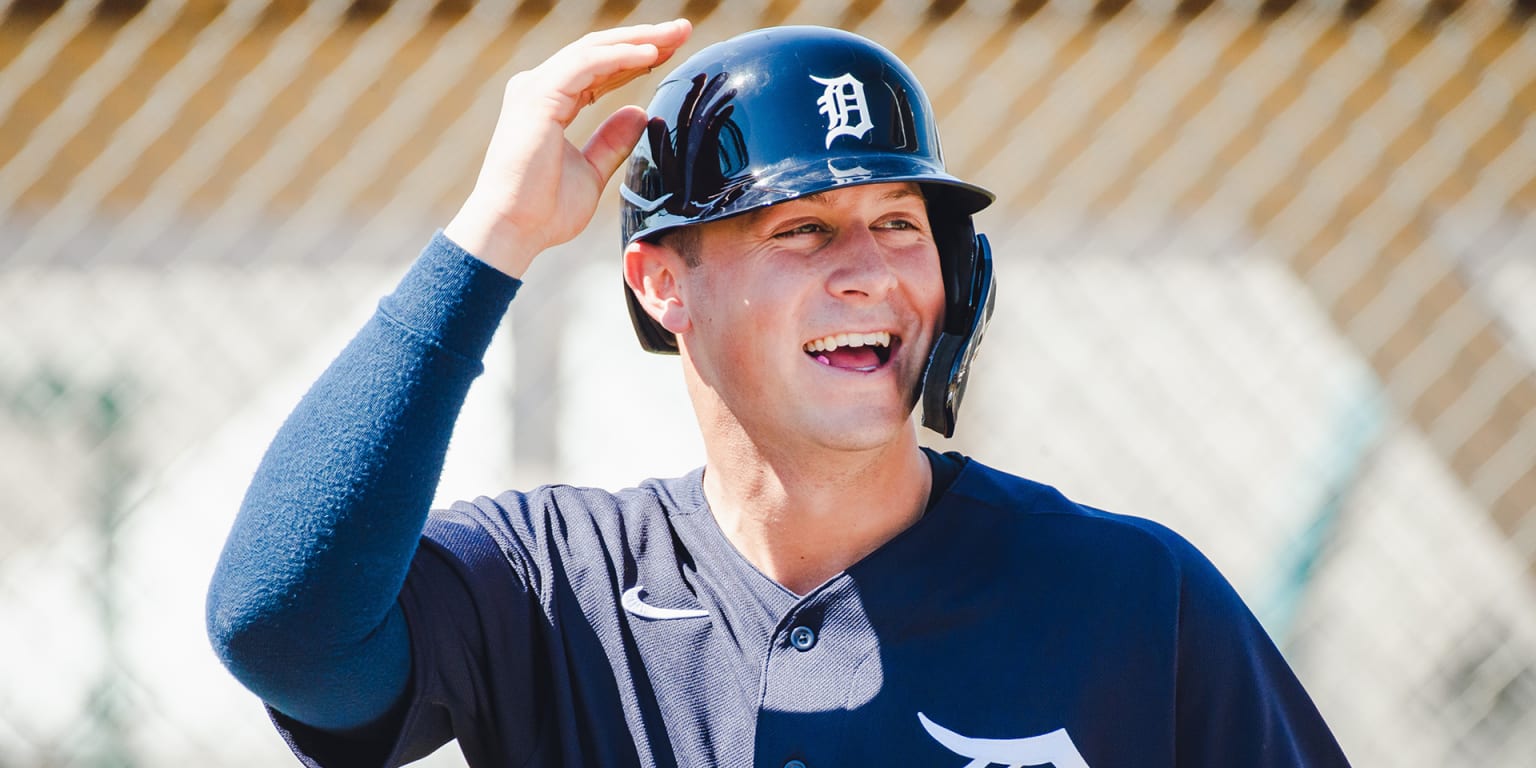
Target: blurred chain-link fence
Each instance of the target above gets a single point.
(1267, 268)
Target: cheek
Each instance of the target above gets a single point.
(758, 325)
(925, 286)
(731, 318)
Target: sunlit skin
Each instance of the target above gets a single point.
(809, 466)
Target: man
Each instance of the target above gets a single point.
(823, 591)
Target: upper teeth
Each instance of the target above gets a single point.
(876, 339)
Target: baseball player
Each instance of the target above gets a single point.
(823, 592)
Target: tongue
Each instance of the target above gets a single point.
(851, 357)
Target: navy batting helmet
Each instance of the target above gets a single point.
(785, 112)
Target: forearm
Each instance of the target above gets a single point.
(302, 608)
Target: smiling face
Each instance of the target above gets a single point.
(811, 320)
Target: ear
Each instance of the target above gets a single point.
(652, 271)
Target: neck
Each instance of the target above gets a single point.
(804, 516)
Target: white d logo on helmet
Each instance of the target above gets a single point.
(843, 96)
(848, 175)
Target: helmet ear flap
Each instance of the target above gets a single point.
(954, 235)
(966, 314)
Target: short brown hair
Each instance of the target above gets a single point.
(684, 240)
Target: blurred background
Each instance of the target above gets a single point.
(1267, 274)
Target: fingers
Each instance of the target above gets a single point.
(599, 62)
(613, 140)
(607, 68)
(665, 36)
(613, 83)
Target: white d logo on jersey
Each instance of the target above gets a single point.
(843, 97)
(1054, 749)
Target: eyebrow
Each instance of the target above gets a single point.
(753, 218)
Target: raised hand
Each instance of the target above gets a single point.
(535, 188)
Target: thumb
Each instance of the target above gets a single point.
(611, 142)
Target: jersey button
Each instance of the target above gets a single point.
(803, 638)
(794, 764)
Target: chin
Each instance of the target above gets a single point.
(863, 431)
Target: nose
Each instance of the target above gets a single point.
(862, 270)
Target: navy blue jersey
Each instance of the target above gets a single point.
(1009, 626)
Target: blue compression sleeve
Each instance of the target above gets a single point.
(302, 608)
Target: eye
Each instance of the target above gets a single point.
(801, 229)
(898, 223)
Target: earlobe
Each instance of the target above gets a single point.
(651, 271)
(674, 317)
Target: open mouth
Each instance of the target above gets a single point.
(863, 352)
